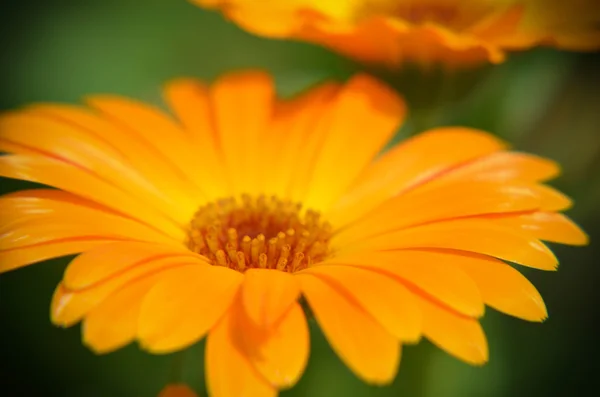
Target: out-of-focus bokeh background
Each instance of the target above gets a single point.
(543, 101)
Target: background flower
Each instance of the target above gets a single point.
(177, 390)
(541, 101)
(391, 32)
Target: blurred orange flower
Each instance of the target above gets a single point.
(177, 390)
(454, 32)
(224, 221)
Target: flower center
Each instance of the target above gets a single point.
(453, 14)
(259, 232)
(421, 13)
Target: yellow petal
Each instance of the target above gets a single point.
(473, 235)
(228, 370)
(502, 286)
(405, 166)
(389, 302)
(460, 336)
(347, 145)
(364, 346)
(267, 294)
(184, 305)
(250, 97)
(279, 353)
(424, 273)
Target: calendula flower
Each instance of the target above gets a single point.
(177, 390)
(455, 32)
(226, 219)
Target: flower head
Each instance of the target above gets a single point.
(219, 221)
(455, 32)
(177, 390)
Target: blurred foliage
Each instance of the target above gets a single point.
(541, 101)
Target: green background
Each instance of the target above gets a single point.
(543, 101)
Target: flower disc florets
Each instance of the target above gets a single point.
(259, 232)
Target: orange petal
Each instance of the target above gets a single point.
(297, 123)
(140, 154)
(389, 39)
(177, 390)
(35, 134)
(364, 104)
(34, 208)
(32, 133)
(547, 226)
(473, 235)
(385, 299)
(23, 256)
(502, 286)
(280, 353)
(506, 166)
(97, 265)
(499, 22)
(74, 221)
(183, 306)
(225, 362)
(423, 272)
(39, 232)
(190, 102)
(167, 141)
(85, 184)
(70, 306)
(34, 217)
(552, 199)
(250, 97)
(452, 200)
(364, 346)
(113, 323)
(460, 336)
(406, 166)
(267, 294)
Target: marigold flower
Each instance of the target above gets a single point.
(223, 221)
(455, 32)
(177, 390)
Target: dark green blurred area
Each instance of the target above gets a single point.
(543, 101)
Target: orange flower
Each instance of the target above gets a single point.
(177, 390)
(455, 32)
(217, 222)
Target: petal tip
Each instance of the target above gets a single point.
(97, 346)
(580, 238)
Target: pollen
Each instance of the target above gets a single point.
(259, 232)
